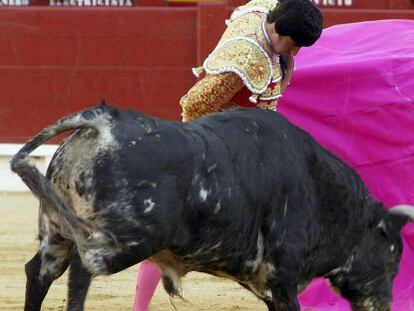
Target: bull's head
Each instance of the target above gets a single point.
(366, 278)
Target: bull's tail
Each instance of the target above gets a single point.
(72, 226)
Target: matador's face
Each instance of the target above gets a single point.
(283, 45)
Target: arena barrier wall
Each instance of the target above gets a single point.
(57, 60)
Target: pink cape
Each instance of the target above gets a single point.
(354, 92)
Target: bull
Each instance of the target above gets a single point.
(242, 194)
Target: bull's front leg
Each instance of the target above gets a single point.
(284, 296)
(363, 293)
(380, 301)
(79, 282)
(370, 304)
(284, 301)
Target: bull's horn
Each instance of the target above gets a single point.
(405, 210)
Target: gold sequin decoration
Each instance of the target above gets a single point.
(265, 4)
(271, 93)
(244, 57)
(209, 95)
(230, 105)
(276, 71)
(272, 105)
(267, 104)
(248, 26)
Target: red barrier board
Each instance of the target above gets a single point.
(54, 61)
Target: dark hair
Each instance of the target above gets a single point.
(299, 19)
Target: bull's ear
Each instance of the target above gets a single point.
(400, 215)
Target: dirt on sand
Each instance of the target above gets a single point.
(18, 243)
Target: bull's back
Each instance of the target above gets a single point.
(262, 146)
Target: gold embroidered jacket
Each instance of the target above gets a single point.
(242, 59)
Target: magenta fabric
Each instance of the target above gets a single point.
(354, 92)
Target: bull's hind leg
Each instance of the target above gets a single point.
(49, 263)
(79, 282)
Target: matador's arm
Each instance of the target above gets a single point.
(210, 94)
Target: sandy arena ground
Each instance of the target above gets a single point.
(18, 230)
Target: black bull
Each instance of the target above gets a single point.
(242, 194)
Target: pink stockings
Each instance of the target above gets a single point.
(148, 277)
